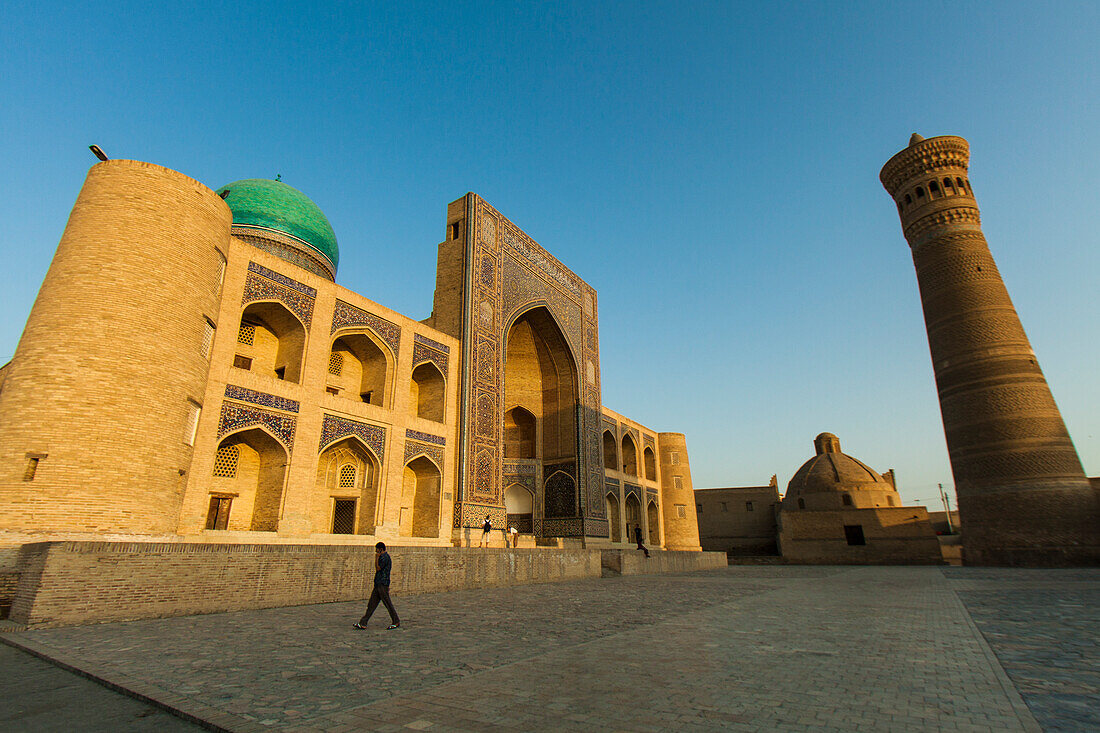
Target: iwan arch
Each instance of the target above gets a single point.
(240, 395)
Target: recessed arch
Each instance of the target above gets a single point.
(633, 516)
(332, 485)
(654, 522)
(427, 392)
(610, 451)
(614, 520)
(520, 433)
(650, 462)
(420, 497)
(519, 503)
(255, 484)
(630, 455)
(271, 341)
(360, 367)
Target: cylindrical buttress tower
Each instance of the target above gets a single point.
(1023, 496)
(98, 410)
(677, 494)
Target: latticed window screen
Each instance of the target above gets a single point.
(674, 458)
(343, 516)
(335, 363)
(225, 461)
(347, 476)
(247, 334)
(207, 338)
(681, 511)
(677, 482)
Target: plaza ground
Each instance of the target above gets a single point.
(744, 648)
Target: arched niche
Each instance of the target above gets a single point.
(519, 433)
(630, 456)
(347, 471)
(610, 452)
(427, 392)
(420, 497)
(249, 472)
(614, 520)
(271, 341)
(359, 369)
(540, 375)
(633, 516)
(654, 522)
(519, 503)
(650, 464)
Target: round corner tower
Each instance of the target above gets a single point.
(677, 494)
(98, 411)
(1023, 495)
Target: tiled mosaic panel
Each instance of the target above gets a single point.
(423, 353)
(282, 279)
(468, 514)
(560, 495)
(257, 288)
(346, 315)
(418, 338)
(335, 428)
(521, 468)
(244, 394)
(434, 452)
(235, 416)
(612, 482)
(564, 528)
(425, 437)
(271, 243)
(633, 489)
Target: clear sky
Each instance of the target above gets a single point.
(710, 168)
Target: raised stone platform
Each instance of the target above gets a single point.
(71, 583)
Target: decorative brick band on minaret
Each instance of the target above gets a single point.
(1023, 496)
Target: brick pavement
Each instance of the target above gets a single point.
(744, 648)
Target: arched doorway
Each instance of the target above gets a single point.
(270, 341)
(633, 516)
(654, 521)
(540, 379)
(358, 369)
(347, 489)
(246, 490)
(610, 454)
(420, 487)
(520, 506)
(630, 456)
(613, 518)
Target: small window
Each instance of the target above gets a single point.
(933, 187)
(207, 338)
(456, 228)
(280, 373)
(193, 412)
(225, 461)
(947, 184)
(801, 503)
(347, 476)
(890, 500)
(920, 192)
(242, 362)
(247, 334)
(725, 508)
(681, 511)
(854, 534)
(365, 396)
(343, 516)
(217, 517)
(677, 482)
(908, 199)
(674, 458)
(960, 182)
(748, 506)
(32, 467)
(335, 363)
(333, 390)
(847, 499)
(221, 270)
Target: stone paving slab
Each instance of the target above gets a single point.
(745, 648)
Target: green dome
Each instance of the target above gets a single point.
(259, 202)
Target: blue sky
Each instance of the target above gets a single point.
(710, 168)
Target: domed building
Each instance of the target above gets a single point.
(833, 480)
(837, 509)
(192, 373)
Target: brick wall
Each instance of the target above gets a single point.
(634, 562)
(727, 524)
(896, 536)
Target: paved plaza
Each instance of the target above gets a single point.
(768, 648)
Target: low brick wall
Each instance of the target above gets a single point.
(634, 562)
(68, 583)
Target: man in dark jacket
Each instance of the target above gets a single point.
(381, 592)
(638, 538)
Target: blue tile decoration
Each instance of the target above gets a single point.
(611, 425)
(259, 287)
(434, 452)
(523, 468)
(284, 247)
(417, 338)
(597, 527)
(244, 394)
(611, 481)
(235, 416)
(650, 442)
(611, 487)
(423, 353)
(633, 489)
(290, 283)
(471, 515)
(425, 437)
(346, 315)
(573, 527)
(334, 428)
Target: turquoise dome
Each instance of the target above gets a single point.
(258, 202)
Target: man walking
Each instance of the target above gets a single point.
(381, 592)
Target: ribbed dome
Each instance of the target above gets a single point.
(824, 480)
(260, 204)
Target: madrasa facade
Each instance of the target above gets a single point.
(191, 370)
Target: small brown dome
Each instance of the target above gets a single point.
(835, 480)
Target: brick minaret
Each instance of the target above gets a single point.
(1023, 496)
